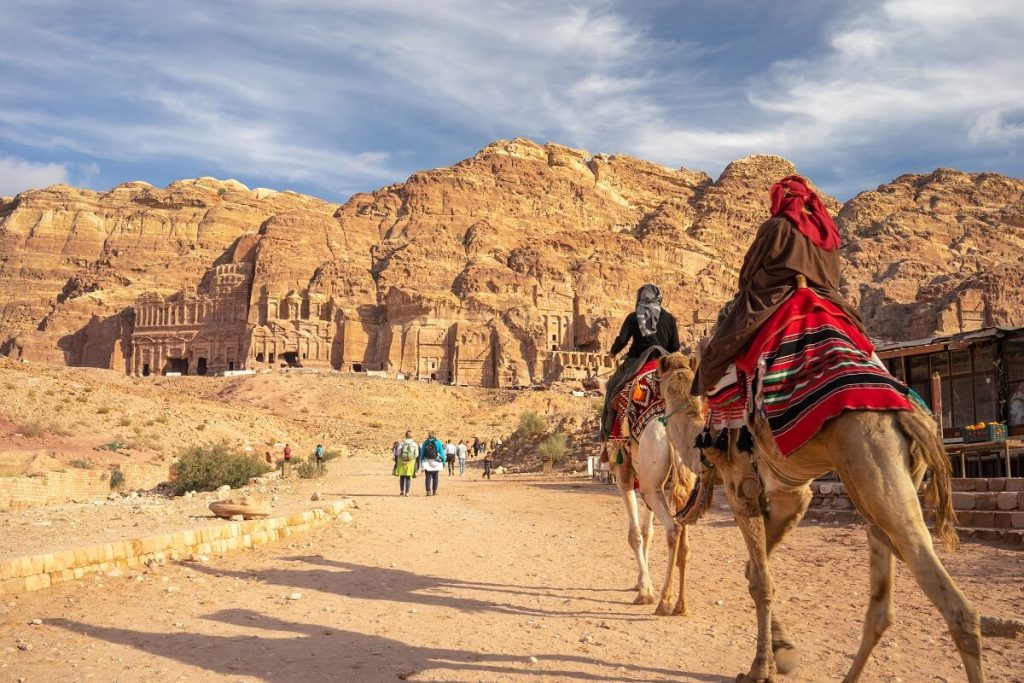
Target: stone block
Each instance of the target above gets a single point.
(37, 582)
(1006, 500)
(6, 569)
(996, 485)
(984, 501)
(1020, 500)
(189, 537)
(1003, 520)
(963, 501)
(983, 520)
(963, 484)
(13, 585)
(991, 534)
(1015, 484)
(1017, 520)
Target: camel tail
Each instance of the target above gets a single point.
(926, 446)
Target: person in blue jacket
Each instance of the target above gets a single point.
(432, 457)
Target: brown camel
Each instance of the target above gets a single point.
(881, 458)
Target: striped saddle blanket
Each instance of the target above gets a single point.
(638, 403)
(806, 365)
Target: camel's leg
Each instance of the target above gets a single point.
(647, 529)
(880, 610)
(787, 507)
(682, 555)
(876, 472)
(660, 509)
(624, 482)
(742, 491)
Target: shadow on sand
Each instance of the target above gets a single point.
(277, 650)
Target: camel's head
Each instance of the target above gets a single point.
(675, 373)
(684, 413)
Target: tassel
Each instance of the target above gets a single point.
(746, 441)
(722, 440)
(703, 439)
(618, 457)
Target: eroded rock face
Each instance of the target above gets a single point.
(513, 266)
(936, 254)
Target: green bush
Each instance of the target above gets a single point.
(331, 455)
(531, 425)
(311, 470)
(116, 479)
(206, 468)
(553, 447)
(82, 464)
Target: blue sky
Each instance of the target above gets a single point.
(334, 97)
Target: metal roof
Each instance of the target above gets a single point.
(973, 335)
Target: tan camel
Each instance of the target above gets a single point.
(881, 458)
(653, 461)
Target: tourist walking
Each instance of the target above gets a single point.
(487, 464)
(406, 455)
(477, 445)
(432, 457)
(318, 453)
(462, 451)
(287, 453)
(451, 452)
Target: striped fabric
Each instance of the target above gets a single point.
(727, 402)
(808, 364)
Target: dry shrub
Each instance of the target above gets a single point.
(33, 430)
(531, 425)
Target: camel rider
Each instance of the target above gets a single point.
(800, 238)
(650, 331)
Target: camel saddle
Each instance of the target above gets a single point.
(806, 365)
(638, 403)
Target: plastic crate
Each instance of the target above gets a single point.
(986, 433)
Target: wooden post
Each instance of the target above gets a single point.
(937, 400)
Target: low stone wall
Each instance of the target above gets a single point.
(50, 488)
(986, 509)
(33, 572)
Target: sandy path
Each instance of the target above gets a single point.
(471, 584)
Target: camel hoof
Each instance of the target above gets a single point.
(663, 610)
(680, 611)
(643, 600)
(787, 659)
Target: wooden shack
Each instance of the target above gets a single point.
(982, 375)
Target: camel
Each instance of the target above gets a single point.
(881, 458)
(652, 461)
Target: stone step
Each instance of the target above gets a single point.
(1014, 537)
(982, 485)
(990, 519)
(988, 500)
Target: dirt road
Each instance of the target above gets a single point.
(472, 584)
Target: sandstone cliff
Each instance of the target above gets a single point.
(492, 268)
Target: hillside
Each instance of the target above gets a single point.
(509, 268)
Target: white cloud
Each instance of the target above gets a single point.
(17, 175)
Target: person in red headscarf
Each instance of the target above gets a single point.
(800, 238)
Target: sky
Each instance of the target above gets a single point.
(333, 97)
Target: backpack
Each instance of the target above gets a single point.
(407, 451)
(430, 450)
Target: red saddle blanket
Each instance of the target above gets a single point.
(638, 403)
(808, 364)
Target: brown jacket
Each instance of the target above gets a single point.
(778, 254)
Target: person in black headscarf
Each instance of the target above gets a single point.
(650, 332)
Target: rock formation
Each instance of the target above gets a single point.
(511, 267)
